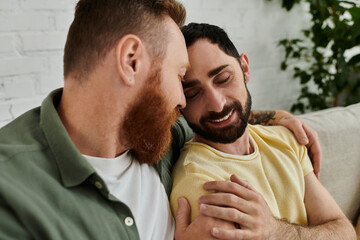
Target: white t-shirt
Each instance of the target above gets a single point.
(139, 187)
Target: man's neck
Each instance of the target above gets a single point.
(92, 121)
(242, 146)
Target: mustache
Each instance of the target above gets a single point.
(216, 115)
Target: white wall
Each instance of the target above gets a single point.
(32, 38)
(255, 27)
(33, 32)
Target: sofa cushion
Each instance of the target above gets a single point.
(339, 134)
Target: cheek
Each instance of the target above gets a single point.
(172, 92)
(171, 83)
(178, 90)
(192, 113)
(236, 91)
(243, 95)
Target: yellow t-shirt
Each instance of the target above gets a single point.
(276, 169)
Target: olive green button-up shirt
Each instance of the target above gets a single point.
(49, 191)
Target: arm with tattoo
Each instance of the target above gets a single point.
(262, 117)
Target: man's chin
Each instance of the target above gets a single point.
(224, 135)
(152, 155)
(154, 143)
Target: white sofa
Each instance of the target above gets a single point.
(339, 134)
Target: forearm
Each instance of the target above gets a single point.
(262, 117)
(336, 229)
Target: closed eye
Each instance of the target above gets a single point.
(223, 80)
(191, 93)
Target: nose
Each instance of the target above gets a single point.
(182, 100)
(215, 100)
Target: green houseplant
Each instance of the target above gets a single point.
(326, 60)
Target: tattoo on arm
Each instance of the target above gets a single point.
(262, 117)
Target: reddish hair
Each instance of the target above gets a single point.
(99, 24)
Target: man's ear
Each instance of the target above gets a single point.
(129, 58)
(245, 67)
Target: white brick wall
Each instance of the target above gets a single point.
(10, 22)
(52, 5)
(6, 44)
(8, 4)
(20, 65)
(32, 38)
(33, 32)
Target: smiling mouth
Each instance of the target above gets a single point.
(223, 118)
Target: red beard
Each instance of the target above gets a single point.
(147, 127)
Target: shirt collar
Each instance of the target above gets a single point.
(73, 167)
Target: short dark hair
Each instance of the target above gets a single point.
(216, 35)
(99, 24)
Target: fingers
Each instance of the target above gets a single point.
(238, 202)
(315, 156)
(225, 199)
(236, 193)
(235, 201)
(182, 216)
(227, 214)
(314, 149)
(299, 132)
(240, 189)
(227, 234)
(234, 178)
(307, 136)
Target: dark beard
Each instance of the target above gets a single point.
(230, 133)
(147, 128)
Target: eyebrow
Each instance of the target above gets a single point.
(216, 70)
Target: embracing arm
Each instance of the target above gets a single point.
(238, 202)
(283, 118)
(265, 118)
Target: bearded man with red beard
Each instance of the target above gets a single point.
(82, 165)
(258, 178)
(86, 164)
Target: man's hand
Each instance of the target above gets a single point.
(304, 135)
(200, 228)
(238, 202)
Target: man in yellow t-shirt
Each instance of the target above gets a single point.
(272, 192)
(277, 174)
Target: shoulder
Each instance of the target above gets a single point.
(181, 130)
(279, 134)
(21, 136)
(194, 152)
(282, 141)
(24, 157)
(191, 154)
(196, 160)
